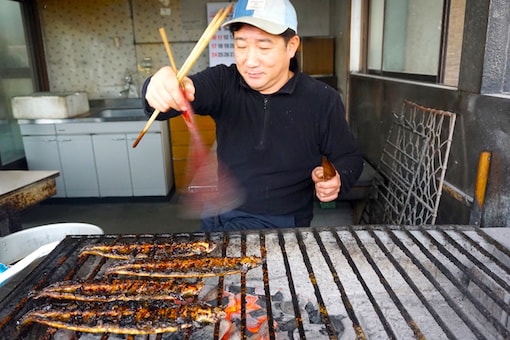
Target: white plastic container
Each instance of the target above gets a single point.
(41, 105)
(16, 246)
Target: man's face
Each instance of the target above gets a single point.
(263, 59)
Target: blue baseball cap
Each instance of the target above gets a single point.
(272, 16)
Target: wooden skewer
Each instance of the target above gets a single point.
(192, 58)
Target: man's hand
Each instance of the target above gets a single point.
(164, 91)
(328, 190)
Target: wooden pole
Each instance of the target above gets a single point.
(482, 176)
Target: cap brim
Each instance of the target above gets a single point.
(265, 25)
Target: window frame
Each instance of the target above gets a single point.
(438, 78)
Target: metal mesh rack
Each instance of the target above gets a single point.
(412, 167)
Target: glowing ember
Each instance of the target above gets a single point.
(256, 318)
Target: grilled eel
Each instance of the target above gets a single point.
(132, 317)
(124, 251)
(119, 290)
(186, 267)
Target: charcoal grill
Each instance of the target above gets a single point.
(353, 282)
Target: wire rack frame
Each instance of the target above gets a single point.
(412, 167)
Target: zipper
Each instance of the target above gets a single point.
(262, 138)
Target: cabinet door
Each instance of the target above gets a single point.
(112, 165)
(77, 157)
(42, 153)
(147, 166)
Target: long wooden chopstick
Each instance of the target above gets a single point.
(192, 58)
(167, 47)
(156, 112)
(203, 41)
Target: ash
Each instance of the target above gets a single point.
(283, 314)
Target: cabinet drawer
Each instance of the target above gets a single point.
(37, 129)
(106, 127)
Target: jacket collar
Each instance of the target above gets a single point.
(288, 88)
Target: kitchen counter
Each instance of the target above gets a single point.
(95, 116)
(103, 110)
(22, 189)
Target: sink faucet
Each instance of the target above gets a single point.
(129, 90)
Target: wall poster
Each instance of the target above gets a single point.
(221, 46)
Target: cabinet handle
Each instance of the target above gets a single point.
(49, 140)
(66, 140)
(118, 139)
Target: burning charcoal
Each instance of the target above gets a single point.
(259, 312)
(225, 300)
(278, 296)
(204, 333)
(313, 314)
(228, 330)
(237, 289)
(336, 320)
(287, 307)
(288, 326)
(262, 302)
(312, 332)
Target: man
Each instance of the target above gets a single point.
(273, 123)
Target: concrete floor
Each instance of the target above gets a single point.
(161, 216)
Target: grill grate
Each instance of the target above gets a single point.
(425, 282)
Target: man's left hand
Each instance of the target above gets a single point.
(328, 190)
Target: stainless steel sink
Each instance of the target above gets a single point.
(121, 113)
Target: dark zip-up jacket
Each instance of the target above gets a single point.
(271, 143)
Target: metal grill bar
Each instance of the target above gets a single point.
(493, 242)
(345, 299)
(313, 280)
(243, 290)
(466, 271)
(267, 291)
(413, 286)
(437, 285)
(297, 311)
(221, 282)
(417, 332)
(444, 282)
(352, 264)
(484, 252)
(478, 263)
(495, 322)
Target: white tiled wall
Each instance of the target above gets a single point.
(88, 45)
(93, 45)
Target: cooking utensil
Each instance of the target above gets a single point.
(167, 48)
(329, 170)
(192, 58)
